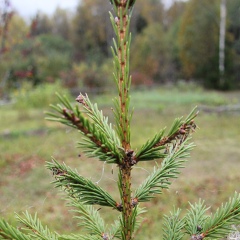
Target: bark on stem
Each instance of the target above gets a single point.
(127, 205)
(125, 167)
(122, 56)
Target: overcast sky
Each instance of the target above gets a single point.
(28, 8)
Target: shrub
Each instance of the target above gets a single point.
(37, 97)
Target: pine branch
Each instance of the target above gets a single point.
(121, 54)
(96, 142)
(82, 189)
(219, 225)
(91, 150)
(115, 231)
(195, 218)
(108, 135)
(180, 130)
(173, 226)
(79, 237)
(34, 225)
(188, 121)
(89, 217)
(160, 178)
(100, 121)
(149, 151)
(9, 232)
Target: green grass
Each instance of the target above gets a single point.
(27, 141)
(159, 99)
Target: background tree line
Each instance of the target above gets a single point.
(181, 42)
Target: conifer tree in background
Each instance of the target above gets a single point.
(112, 145)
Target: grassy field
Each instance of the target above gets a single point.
(28, 141)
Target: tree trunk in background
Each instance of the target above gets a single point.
(222, 40)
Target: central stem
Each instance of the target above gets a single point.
(123, 84)
(122, 76)
(126, 198)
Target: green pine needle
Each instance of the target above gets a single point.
(101, 122)
(88, 216)
(9, 232)
(219, 224)
(179, 131)
(160, 178)
(100, 140)
(195, 218)
(173, 226)
(80, 237)
(148, 151)
(178, 122)
(35, 228)
(82, 189)
(115, 230)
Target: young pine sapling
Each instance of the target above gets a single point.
(112, 145)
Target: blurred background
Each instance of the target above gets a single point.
(183, 54)
(172, 41)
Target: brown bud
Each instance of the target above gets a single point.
(133, 161)
(119, 207)
(129, 153)
(182, 131)
(58, 172)
(134, 202)
(118, 2)
(199, 228)
(80, 99)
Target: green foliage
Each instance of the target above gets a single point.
(42, 60)
(37, 97)
(89, 218)
(9, 232)
(78, 187)
(149, 150)
(121, 57)
(94, 76)
(52, 56)
(198, 53)
(101, 122)
(34, 227)
(82, 237)
(199, 225)
(151, 56)
(233, 11)
(195, 218)
(219, 223)
(160, 178)
(173, 226)
(53, 45)
(96, 141)
(89, 29)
